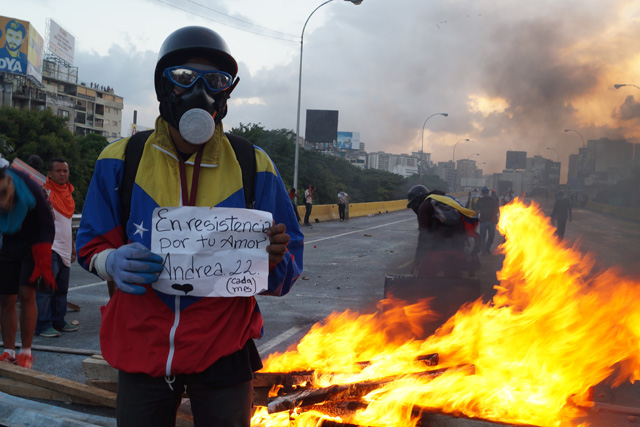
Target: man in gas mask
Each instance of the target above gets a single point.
(164, 345)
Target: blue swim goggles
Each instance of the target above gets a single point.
(186, 77)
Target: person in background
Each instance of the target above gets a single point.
(308, 204)
(52, 304)
(28, 230)
(508, 198)
(561, 212)
(162, 344)
(343, 200)
(293, 196)
(472, 199)
(488, 209)
(447, 234)
(35, 162)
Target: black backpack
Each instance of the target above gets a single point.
(245, 154)
(445, 214)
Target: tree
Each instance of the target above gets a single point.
(327, 173)
(27, 132)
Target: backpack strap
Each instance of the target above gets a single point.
(132, 156)
(246, 156)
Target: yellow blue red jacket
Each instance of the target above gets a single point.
(160, 334)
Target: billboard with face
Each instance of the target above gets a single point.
(13, 53)
(21, 48)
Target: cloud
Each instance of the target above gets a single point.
(630, 109)
(511, 75)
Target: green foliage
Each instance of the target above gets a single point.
(326, 173)
(24, 133)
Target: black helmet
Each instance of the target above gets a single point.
(416, 195)
(189, 42)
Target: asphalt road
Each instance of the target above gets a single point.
(344, 268)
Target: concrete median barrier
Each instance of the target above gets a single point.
(321, 213)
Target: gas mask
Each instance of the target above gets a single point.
(195, 112)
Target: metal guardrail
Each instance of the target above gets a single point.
(326, 212)
(75, 221)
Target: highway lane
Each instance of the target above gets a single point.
(345, 264)
(344, 268)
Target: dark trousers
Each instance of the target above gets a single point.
(295, 209)
(144, 401)
(341, 209)
(487, 229)
(562, 225)
(52, 305)
(307, 212)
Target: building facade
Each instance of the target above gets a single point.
(94, 109)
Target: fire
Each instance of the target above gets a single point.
(556, 327)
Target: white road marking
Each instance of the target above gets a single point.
(87, 286)
(357, 231)
(266, 347)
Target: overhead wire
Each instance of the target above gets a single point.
(296, 38)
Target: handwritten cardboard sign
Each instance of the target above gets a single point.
(211, 252)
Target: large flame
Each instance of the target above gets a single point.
(555, 328)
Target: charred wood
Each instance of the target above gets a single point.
(343, 391)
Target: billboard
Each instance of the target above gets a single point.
(21, 51)
(13, 54)
(516, 160)
(322, 126)
(35, 53)
(349, 140)
(61, 43)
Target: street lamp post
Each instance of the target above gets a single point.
(454, 149)
(422, 136)
(297, 149)
(618, 86)
(549, 148)
(573, 130)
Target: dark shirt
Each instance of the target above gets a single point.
(38, 225)
(561, 210)
(487, 209)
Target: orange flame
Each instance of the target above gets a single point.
(555, 328)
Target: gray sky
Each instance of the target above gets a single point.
(512, 75)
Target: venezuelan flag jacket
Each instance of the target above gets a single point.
(160, 334)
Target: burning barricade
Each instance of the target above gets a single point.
(556, 327)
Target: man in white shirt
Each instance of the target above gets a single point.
(343, 200)
(308, 204)
(52, 304)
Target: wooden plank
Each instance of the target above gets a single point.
(285, 379)
(96, 368)
(616, 409)
(105, 385)
(20, 389)
(62, 385)
(338, 392)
